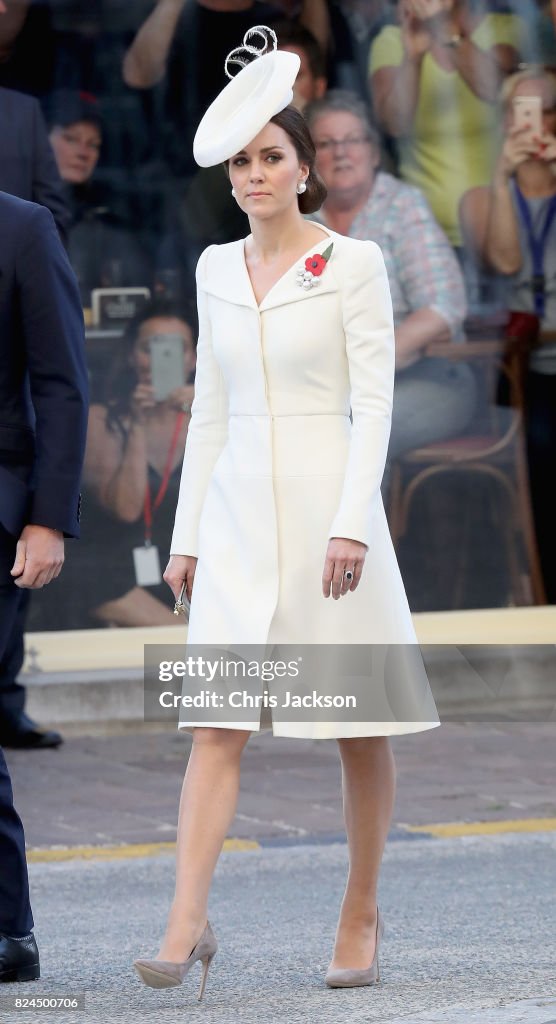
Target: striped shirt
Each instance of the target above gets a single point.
(423, 270)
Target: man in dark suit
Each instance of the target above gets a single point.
(27, 165)
(28, 170)
(43, 424)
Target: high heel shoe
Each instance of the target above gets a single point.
(347, 977)
(164, 973)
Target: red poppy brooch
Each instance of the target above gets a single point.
(309, 275)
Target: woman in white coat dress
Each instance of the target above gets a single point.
(280, 498)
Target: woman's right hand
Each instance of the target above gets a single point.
(416, 37)
(141, 402)
(180, 569)
(518, 147)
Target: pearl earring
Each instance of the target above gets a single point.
(301, 188)
(234, 192)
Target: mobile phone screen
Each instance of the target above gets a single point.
(167, 364)
(527, 113)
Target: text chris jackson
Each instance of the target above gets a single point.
(243, 699)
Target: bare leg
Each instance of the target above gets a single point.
(207, 808)
(368, 786)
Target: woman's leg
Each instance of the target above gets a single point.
(207, 808)
(368, 787)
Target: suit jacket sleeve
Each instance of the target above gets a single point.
(48, 189)
(208, 430)
(53, 332)
(369, 332)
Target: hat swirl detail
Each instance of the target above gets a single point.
(235, 56)
(261, 87)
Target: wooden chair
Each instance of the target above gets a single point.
(495, 449)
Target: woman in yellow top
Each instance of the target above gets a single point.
(434, 80)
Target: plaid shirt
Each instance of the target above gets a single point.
(423, 270)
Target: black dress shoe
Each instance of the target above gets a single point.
(21, 732)
(19, 959)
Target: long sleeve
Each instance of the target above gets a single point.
(53, 331)
(207, 432)
(369, 332)
(47, 185)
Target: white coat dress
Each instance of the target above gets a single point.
(274, 466)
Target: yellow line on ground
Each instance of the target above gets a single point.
(481, 828)
(446, 829)
(44, 856)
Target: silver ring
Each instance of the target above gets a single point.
(348, 575)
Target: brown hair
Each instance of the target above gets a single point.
(295, 125)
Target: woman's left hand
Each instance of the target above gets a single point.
(181, 399)
(342, 554)
(546, 147)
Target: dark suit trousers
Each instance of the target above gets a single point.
(12, 693)
(15, 910)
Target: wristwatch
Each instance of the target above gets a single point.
(454, 41)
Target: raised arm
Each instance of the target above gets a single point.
(145, 62)
(483, 70)
(314, 16)
(369, 332)
(488, 215)
(502, 248)
(395, 72)
(397, 56)
(208, 430)
(116, 468)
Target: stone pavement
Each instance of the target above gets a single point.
(469, 918)
(469, 936)
(124, 788)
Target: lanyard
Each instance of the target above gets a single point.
(537, 246)
(151, 506)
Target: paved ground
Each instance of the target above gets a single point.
(125, 788)
(469, 935)
(469, 919)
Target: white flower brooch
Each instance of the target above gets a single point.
(309, 275)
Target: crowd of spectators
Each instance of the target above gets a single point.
(413, 107)
(434, 399)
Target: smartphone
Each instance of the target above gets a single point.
(167, 364)
(528, 113)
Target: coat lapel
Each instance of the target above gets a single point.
(227, 278)
(288, 290)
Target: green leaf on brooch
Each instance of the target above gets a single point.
(328, 252)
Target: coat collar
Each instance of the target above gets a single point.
(227, 276)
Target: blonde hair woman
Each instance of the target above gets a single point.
(510, 225)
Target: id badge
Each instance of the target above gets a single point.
(147, 566)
